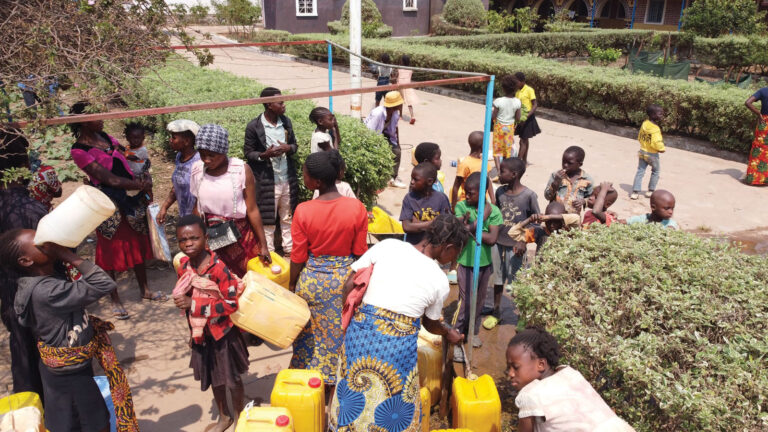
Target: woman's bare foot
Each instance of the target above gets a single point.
(223, 424)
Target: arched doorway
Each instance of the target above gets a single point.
(580, 10)
(546, 9)
(613, 14)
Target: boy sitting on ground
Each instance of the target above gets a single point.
(662, 209)
(554, 219)
(602, 197)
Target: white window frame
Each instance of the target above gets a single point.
(412, 8)
(311, 14)
(663, 13)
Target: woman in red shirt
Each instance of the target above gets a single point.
(329, 233)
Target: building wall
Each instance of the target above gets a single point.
(671, 15)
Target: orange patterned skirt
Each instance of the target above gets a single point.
(757, 169)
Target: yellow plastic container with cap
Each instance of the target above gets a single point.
(426, 404)
(303, 393)
(22, 411)
(264, 419)
(430, 361)
(278, 272)
(379, 222)
(476, 404)
(177, 260)
(270, 311)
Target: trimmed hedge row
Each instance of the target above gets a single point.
(367, 155)
(716, 114)
(733, 51)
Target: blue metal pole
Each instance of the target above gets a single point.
(634, 8)
(592, 18)
(330, 76)
(680, 22)
(480, 212)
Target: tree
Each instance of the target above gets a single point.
(465, 13)
(713, 18)
(238, 13)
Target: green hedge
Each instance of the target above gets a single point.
(695, 109)
(670, 328)
(733, 51)
(367, 155)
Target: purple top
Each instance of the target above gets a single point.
(180, 179)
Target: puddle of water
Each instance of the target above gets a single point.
(751, 242)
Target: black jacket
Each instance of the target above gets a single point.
(255, 144)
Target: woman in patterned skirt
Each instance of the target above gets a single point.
(757, 169)
(378, 382)
(328, 233)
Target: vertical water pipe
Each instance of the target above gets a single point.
(480, 211)
(330, 76)
(634, 8)
(680, 22)
(592, 17)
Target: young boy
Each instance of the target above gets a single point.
(68, 338)
(651, 144)
(269, 143)
(555, 219)
(468, 165)
(516, 203)
(571, 185)
(602, 197)
(219, 355)
(430, 152)
(422, 204)
(492, 221)
(662, 209)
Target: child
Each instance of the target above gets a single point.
(404, 77)
(422, 204)
(662, 209)
(320, 141)
(492, 220)
(506, 114)
(341, 186)
(382, 76)
(326, 122)
(219, 353)
(430, 152)
(68, 338)
(550, 396)
(529, 127)
(270, 143)
(651, 144)
(182, 140)
(136, 153)
(602, 197)
(555, 219)
(383, 119)
(516, 203)
(468, 165)
(571, 185)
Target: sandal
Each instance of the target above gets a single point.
(157, 297)
(120, 313)
(413, 121)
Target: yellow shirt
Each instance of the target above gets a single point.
(650, 138)
(526, 95)
(467, 166)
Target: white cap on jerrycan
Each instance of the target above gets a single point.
(76, 217)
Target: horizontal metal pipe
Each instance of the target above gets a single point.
(239, 45)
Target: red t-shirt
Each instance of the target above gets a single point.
(589, 218)
(336, 227)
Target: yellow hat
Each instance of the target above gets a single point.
(393, 99)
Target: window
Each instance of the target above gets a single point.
(409, 5)
(306, 7)
(655, 13)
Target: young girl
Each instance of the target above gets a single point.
(383, 73)
(182, 140)
(404, 77)
(430, 152)
(208, 292)
(554, 397)
(326, 122)
(68, 338)
(529, 127)
(506, 114)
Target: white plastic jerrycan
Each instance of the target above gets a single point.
(76, 217)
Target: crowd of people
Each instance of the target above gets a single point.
(228, 213)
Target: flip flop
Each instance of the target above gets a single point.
(157, 297)
(490, 322)
(120, 313)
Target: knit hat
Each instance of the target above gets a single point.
(212, 137)
(317, 138)
(393, 99)
(183, 125)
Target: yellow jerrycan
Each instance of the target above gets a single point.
(278, 272)
(476, 404)
(426, 402)
(301, 391)
(21, 412)
(270, 311)
(379, 222)
(177, 260)
(76, 217)
(264, 419)
(430, 361)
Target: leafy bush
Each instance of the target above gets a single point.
(500, 22)
(695, 109)
(712, 18)
(738, 52)
(198, 13)
(670, 328)
(236, 13)
(369, 13)
(465, 13)
(561, 22)
(602, 56)
(441, 27)
(372, 24)
(525, 20)
(367, 155)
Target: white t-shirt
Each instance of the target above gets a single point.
(507, 108)
(344, 189)
(404, 280)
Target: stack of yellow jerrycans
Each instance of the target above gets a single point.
(430, 361)
(297, 404)
(475, 403)
(21, 412)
